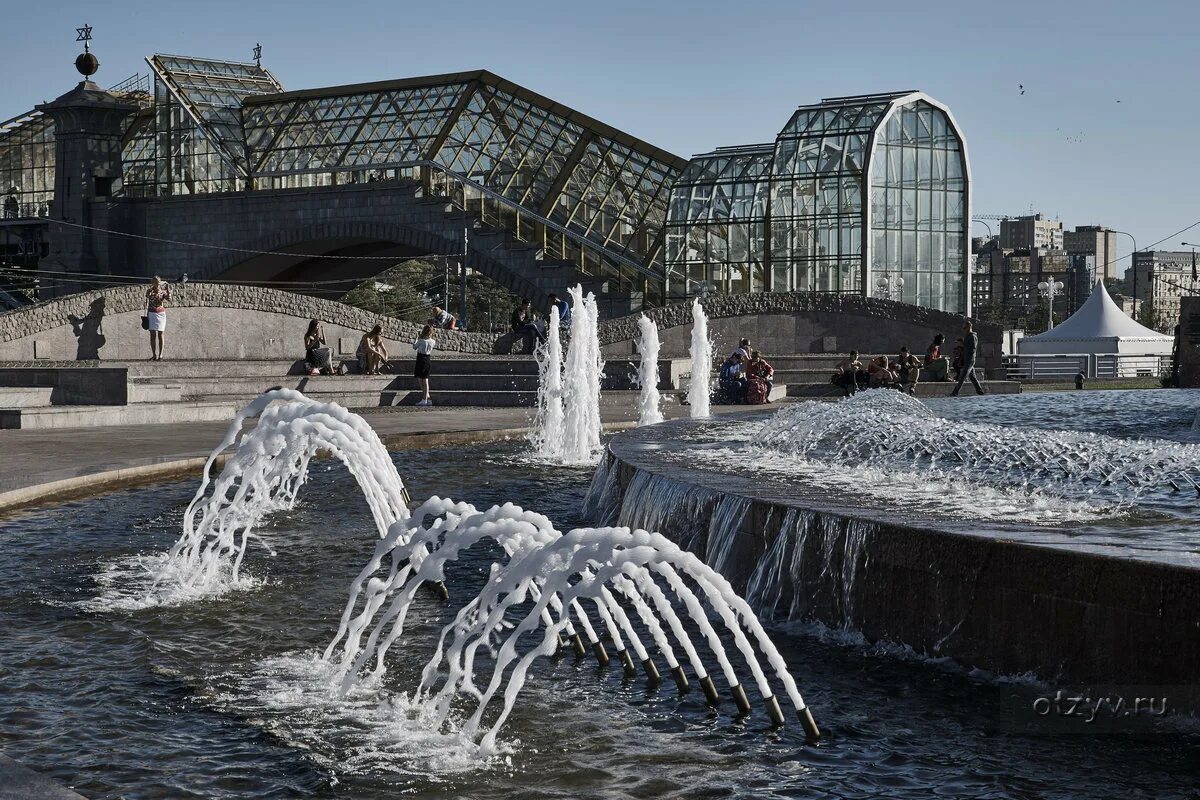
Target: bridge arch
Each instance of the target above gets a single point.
(336, 255)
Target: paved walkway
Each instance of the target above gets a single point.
(74, 460)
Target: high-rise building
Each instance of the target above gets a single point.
(1094, 240)
(1025, 233)
(1161, 277)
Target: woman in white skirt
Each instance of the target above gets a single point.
(157, 297)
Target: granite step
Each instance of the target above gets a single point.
(135, 414)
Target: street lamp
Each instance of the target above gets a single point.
(1049, 289)
(888, 286)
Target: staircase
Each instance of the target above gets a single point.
(504, 242)
(156, 392)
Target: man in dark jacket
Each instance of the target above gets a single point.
(967, 369)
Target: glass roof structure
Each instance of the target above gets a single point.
(862, 195)
(598, 183)
(852, 190)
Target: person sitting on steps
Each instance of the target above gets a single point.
(849, 374)
(318, 358)
(732, 379)
(937, 363)
(521, 323)
(372, 354)
(908, 371)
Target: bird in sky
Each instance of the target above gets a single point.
(1021, 86)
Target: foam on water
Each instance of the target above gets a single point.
(887, 436)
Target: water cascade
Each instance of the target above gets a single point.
(584, 589)
(264, 474)
(567, 428)
(701, 352)
(649, 412)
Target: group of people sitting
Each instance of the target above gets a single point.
(372, 355)
(524, 322)
(904, 371)
(745, 377)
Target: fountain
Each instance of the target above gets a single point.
(263, 475)
(701, 352)
(631, 587)
(567, 427)
(887, 430)
(649, 412)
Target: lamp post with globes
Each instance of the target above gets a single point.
(1048, 289)
(889, 286)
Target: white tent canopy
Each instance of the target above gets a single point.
(1098, 327)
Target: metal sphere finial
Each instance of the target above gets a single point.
(86, 63)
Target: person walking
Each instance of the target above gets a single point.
(424, 346)
(372, 354)
(970, 346)
(157, 297)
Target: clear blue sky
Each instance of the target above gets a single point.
(690, 76)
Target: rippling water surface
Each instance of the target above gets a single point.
(215, 699)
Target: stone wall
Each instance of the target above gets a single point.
(1187, 342)
(1069, 615)
(803, 322)
(205, 320)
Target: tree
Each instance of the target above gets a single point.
(1036, 320)
(410, 289)
(993, 312)
(1149, 316)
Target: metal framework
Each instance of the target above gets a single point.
(604, 191)
(852, 189)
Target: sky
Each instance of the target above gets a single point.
(1104, 133)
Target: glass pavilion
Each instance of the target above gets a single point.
(853, 191)
(860, 195)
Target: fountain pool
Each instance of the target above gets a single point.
(214, 698)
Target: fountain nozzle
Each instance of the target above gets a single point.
(681, 681)
(577, 642)
(710, 691)
(600, 653)
(627, 660)
(811, 732)
(652, 676)
(774, 711)
(740, 700)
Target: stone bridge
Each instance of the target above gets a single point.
(327, 239)
(223, 321)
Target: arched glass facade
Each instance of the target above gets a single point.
(852, 190)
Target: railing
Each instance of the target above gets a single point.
(1065, 366)
(558, 242)
(24, 211)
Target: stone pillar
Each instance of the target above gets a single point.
(1187, 343)
(87, 171)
